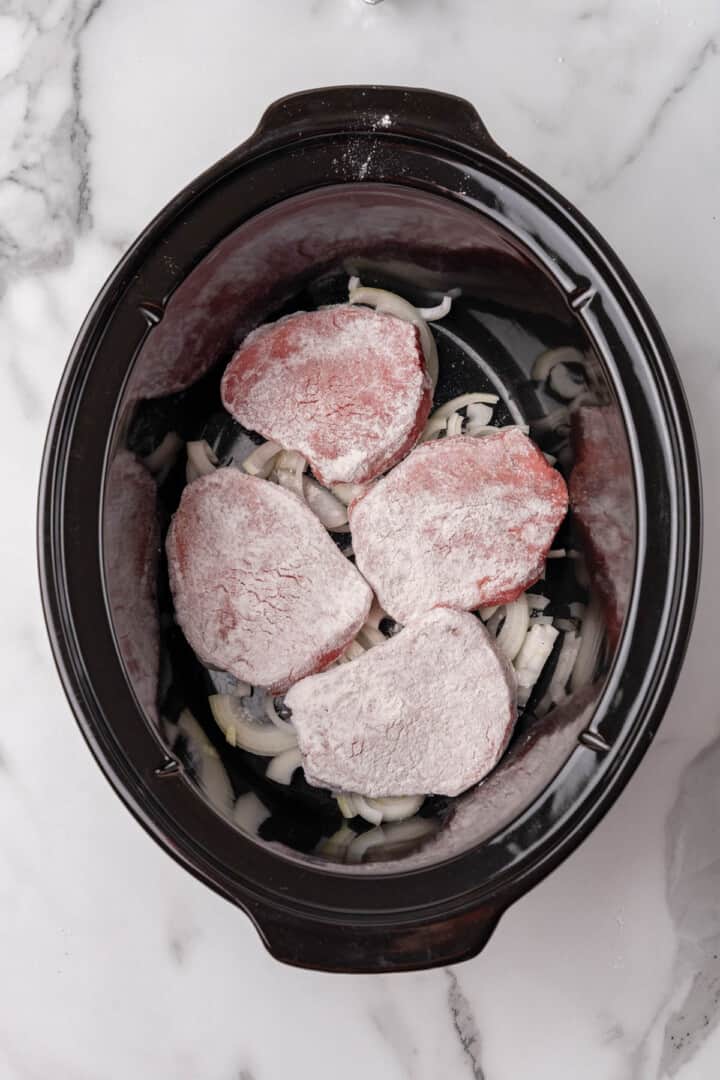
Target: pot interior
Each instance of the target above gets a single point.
(507, 311)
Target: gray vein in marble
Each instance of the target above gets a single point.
(689, 1011)
(708, 50)
(465, 1025)
(44, 174)
(30, 401)
(389, 1023)
(245, 1074)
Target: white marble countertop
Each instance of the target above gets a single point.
(115, 962)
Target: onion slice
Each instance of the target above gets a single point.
(510, 639)
(455, 424)
(549, 359)
(533, 656)
(566, 385)
(209, 769)
(431, 314)
(461, 402)
(249, 813)
(369, 635)
(592, 635)
(241, 729)
(432, 429)
(261, 461)
(283, 766)
(288, 471)
(396, 807)
(201, 460)
(331, 510)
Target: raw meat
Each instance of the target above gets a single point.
(430, 711)
(344, 386)
(260, 589)
(462, 522)
(601, 496)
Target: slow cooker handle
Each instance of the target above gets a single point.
(348, 948)
(376, 109)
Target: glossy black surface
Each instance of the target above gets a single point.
(326, 186)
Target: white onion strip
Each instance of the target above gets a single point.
(532, 658)
(431, 314)
(461, 402)
(511, 637)
(240, 729)
(201, 460)
(283, 766)
(454, 425)
(566, 385)
(369, 636)
(592, 635)
(479, 413)
(433, 428)
(549, 359)
(249, 813)
(326, 506)
(289, 469)
(261, 461)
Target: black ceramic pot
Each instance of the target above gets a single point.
(406, 188)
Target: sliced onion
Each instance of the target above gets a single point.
(162, 459)
(479, 414)
(511, 637)
(592, 635)
(353, 651)
(564, 667)
(368, 636)
(549, 359)
(282, 767)
(566, 385)
(430, 314)
(533, 656)
(396, 807)
(536, 602)
(261, 461)
(335, 846)
(347, 493)
(366, 810)
(392, 304)
(249, 813)
(346, 805)
(353, 283)
(326, 506)
(240, 729)
(551, 460)
(455, 424)
(488, 611)
(432, 429)
(201, 460)
(225, 683)
(364, 843)
(557, 553)
(272, 715)
(543, 620)
(577, 609)
(288, 471)
(210, 770)
(461, 402)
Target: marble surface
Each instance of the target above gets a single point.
(115, 963)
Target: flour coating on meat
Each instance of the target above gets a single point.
(430, 711)
(462, 522)
(260, 589)
(344, 386)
